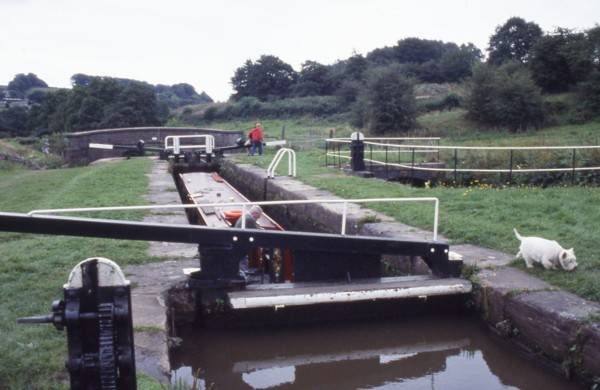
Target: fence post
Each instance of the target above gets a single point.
(510, 169)
(371, 157)
(573, 163)
(357, 151)
(339, 156)
(455, 164)
(326, 152)
(283, 132)
(412, 164)
(387, 176)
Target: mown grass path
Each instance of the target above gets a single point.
(33, 268)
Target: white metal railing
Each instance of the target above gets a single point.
(368, 139)
(208, 145)
(397, 149)
(277, 159)
(486, 147)
(245, 205)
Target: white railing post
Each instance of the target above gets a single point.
(243, 216)
(277, 159)
(344, 218)
(294, 170)
(176, 145)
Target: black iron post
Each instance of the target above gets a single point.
(371, 156)
(326, 152)
(339, 156)
(455, 164)
(387, 176)
(357, 154)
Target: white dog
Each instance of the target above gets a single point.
(548, 253)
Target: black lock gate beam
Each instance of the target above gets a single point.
(434, 253)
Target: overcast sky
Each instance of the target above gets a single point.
(203, 42)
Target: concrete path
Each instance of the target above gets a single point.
(151, 280)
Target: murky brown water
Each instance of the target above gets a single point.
(420, 353)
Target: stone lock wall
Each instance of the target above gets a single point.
(79, 153)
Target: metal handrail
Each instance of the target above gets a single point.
(347, 139)
(406, 148)
(208, 145)
(277, 159)
(244, 206)
(485, 147)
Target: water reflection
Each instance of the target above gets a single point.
(424, 353)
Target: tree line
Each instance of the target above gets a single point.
(93, 102)
(506, 89)
(270, 78)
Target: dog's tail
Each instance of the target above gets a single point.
(517, 234)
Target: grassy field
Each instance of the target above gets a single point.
(33, 268)
(485, 216)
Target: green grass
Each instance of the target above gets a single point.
(483, 215)
(33, 268)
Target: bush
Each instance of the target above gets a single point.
(251, 107)
(505, 96)
(448, 102)
(588, 93)
(387, 103)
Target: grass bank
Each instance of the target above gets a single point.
(33, 268)
(485, 216)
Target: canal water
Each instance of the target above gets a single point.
(418, 353)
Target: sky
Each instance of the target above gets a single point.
(203, 42)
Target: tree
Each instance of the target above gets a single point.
(505, 96)
(355, 67)
(23, 82)
(593, 37)
(135, 105)
(513, 40)
(103, 102)
(313, 79)
(183, 90)
(80, 79)
(456, 65)
(382, 56)
(416, 50)
(387, 103)
(14, 120)
(561, 59)
(268, 77)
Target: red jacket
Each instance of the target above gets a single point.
(256, 134)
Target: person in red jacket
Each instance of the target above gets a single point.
(256, 139)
